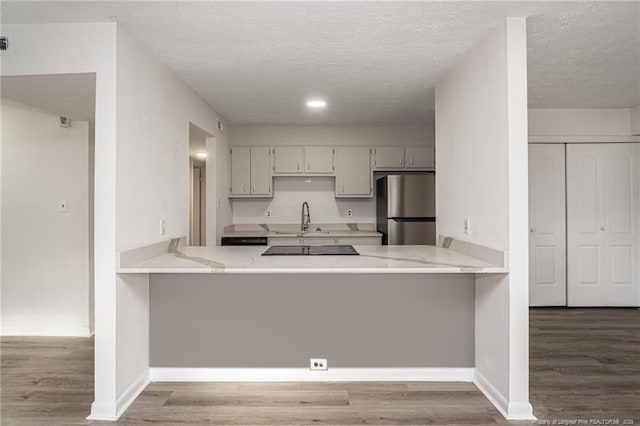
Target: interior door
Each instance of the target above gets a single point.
(547, 225)
(603, 221)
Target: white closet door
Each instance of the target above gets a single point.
(603, 220)
(547, 236)
(622, 220)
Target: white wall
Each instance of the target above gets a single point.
(45, 279)
(148, 164)
(332, 135)
(154, 109)
(88, 48)
(482, 175)
(289, 193)
(580, 122)
(635, 121)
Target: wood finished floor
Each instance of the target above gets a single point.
(585, 365)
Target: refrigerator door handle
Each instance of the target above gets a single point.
(413, 219)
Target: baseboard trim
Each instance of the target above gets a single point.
(509, 410)
(46, 332)
(159, 374)
(112, 410)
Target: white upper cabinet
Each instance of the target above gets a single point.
(403, 157)
(287, 160)
(240, 170)
(388, 157)
(419, 157)
(260, 172)
(318, 159)
(303, 160)
(250, 171)
(353, 172)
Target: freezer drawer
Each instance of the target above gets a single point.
(411, 232)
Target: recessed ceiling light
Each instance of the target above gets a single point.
(201, 154)
(316, 103)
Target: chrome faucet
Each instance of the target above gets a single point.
(306, 218)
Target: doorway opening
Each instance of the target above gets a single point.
(198, 156)
(47, 205)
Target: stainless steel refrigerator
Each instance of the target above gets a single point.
(406, 209)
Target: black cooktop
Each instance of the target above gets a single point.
(343, 250)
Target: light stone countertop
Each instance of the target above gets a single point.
(332, 230)
(372, 259)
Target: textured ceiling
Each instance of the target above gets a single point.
(68, 95)
(374, 62)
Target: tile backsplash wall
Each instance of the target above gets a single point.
(289, 194)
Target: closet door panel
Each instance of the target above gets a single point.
(622, 218)
(547, 239)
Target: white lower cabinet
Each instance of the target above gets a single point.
(602, 222)
(325, 241)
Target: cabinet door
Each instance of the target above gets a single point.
(319, 241)
(318, 159)
(240, 170)
(547, 224)
(360, 241)
(603, 219)
(287, 160)
(285, 241)
(388, 157)
(419, 157)
(260, 171)
(353, 171)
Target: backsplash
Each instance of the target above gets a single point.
(289, 194)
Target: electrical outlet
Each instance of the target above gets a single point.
(467, 226)
(349, 212)
(318, 364)
(163, 226)
(269, 213)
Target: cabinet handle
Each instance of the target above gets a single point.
(342, 188)
(604, 228)
(401, 161)
(244, 188)
(308, 166)
(253, 188)
(532, 230)
(298, 166)
(411, 161)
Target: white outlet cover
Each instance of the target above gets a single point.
(319, 364)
